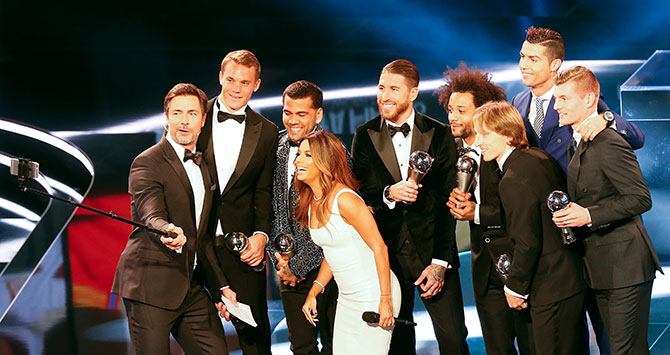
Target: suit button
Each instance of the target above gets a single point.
(487, 240)
(558, 140)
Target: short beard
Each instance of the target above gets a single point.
(400, 108)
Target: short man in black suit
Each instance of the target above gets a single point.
(161, 279)
(608, 195)
(302, 113)
(239, 146)
(413, 218)
(465, 90)
(544, 275)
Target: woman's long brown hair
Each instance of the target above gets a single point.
(330, 158)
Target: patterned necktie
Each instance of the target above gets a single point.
(196, 157)
(573, 147)
(394, 129)
(539, 117)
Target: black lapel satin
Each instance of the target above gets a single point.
(384, 147)
(205, 144)
(252, 132)
(512, 157)
(178, 167)
(210, 188)
(422, 136)
(574, 167)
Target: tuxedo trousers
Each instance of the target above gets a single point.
(501, 325)
(195, 325)
(302, 334)
(445, 308)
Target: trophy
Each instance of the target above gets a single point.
(557, 201)
(237, 242)
(503, 264)
(419, 164)
(284, 243)
(466, 167)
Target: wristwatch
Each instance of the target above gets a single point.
(609, 117)
(387, 194)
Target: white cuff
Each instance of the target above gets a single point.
(441, 263)
(476, 220)
(589, 214)
(507, 290)
(267, 239)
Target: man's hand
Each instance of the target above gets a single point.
(460, 205)
(514, 302)
(590, 128)
(284, 272)
(232, 296)
(404, 191)
(174, 243)
(255, 252)
(431, 280)
(572, 216)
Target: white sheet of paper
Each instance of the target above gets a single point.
(242, 311)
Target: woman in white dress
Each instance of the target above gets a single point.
(355, 253)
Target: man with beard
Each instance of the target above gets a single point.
(413, 217)
(301, 115)
(465, 90)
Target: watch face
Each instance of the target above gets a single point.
(609, 116)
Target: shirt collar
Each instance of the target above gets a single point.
(178, 148)
(223, 107)
(505, 156)
(409, 121)
(547, 95)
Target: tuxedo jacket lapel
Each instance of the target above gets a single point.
(178, 167)
(252, 132)
(574, 167)
(384, 147)
(421, 135)
(205, 143)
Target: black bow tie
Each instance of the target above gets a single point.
(197, 156)
(500, 172)
(222, 116)
(292, 143)
(394, 129)
(465, 150)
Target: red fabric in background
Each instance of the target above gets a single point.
(95, 245)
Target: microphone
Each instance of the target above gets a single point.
(373, 317)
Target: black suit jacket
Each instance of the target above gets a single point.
(245, 203)
(160, 194)
(604, 176)
(428, 220)
(542, 265)
(487, 239)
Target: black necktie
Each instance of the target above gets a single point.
(222, 116)
(465, 150)
(573, 148)
(196, 157)
(292, 143)
(500, 172)
(394, 129)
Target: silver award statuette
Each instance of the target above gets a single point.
(237, 242)
(284, 243)
(466, 167)
(503, 264)
(419, 164)
(557, 201)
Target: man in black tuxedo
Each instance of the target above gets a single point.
(608, 195)
(545, 273)
(302, 113)
(465, 90)
(413, 217)
(161, 279)
(239, 146)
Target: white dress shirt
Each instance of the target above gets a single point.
(195, 178)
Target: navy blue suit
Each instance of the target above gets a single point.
(556, 140)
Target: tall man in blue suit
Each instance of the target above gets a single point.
(541, 56)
